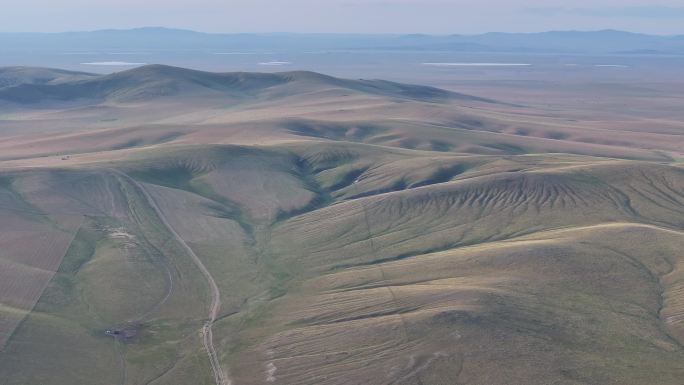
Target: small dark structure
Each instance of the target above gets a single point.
(126, 333)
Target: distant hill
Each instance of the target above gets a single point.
(159, 81)
(14, 76)
(155, 38)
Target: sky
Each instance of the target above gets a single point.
(346, 16)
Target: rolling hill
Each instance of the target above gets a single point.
(15, 76)
(169, 226)
(155, 81)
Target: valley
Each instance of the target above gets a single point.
(163, 225)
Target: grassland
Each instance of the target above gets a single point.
(176, 227)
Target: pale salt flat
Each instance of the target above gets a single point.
(611, 65)
(275, 63)
(239, 53)
(477, 64)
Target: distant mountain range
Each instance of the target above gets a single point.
(157, 38)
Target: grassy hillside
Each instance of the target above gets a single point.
(121, 272)
(158, 81)
(299, 229)
(15, 76)
(154, 106)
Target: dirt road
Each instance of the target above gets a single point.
(220, 376)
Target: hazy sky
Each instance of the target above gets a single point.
(393, 16)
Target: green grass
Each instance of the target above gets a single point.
(431, 267)
(102, 284)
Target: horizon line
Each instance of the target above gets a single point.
(178, 29)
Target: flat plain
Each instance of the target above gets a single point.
(162, 225)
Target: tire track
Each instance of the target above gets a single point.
(220, 376)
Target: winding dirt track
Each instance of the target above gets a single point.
(220, 377)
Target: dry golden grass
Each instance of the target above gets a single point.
(31, 249)
(357, 233)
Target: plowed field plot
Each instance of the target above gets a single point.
(31, 250)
